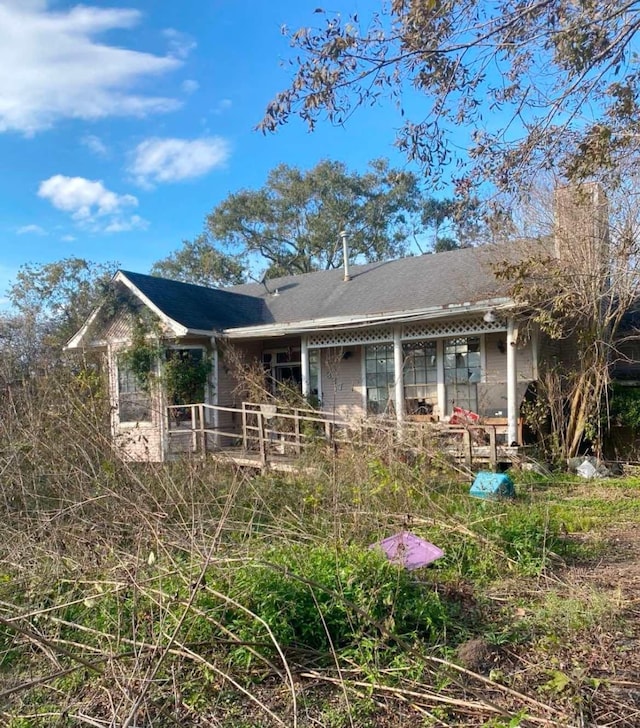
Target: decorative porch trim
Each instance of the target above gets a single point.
(325, 339)
(410, 332)
(454, 327)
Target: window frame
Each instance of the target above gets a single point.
(384, 373)
(459, 383)
(121, 369)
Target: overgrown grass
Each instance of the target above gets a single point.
(140, 595)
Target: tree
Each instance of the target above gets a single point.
(292, 224)
(199, 262)
(53, 300)
(580, 293)
(541, 85)
(455, 223)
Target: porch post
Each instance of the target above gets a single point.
(535, 351)
(214, 386)
(512, 378)
(398, 366)
(304, 365)
(441, 386)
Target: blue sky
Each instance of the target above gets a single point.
(123, 123)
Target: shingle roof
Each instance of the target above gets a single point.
(414, 283)
(198, 307)
(417, 283)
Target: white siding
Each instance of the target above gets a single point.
(496, 360)
(342, 387)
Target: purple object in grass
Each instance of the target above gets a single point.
(409, 550)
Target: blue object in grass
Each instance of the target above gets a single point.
(492, 485)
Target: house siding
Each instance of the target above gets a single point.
(342, 386)
(229, 391)
(496, 361)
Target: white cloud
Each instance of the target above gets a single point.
(180, 44)
(68, 238)
(170, 160)
(31, 230)
(190, 86)
(91, 204)
(135, 222)
(83, 198)
(95, 145)
(51, 66)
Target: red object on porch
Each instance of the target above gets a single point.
(462, 416)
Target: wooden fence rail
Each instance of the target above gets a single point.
(271, 432)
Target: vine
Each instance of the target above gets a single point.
(141, 357)
(625, 406)
(183, 375)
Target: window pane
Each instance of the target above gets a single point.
(380, 375)
(134, 403)
(462, 371)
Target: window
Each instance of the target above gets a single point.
(380, 376)
(134, 402)
(284, 368)
(462, 372)
(420, 376)
(186, 372)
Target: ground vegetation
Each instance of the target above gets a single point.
(193, 593)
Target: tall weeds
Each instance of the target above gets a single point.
(194, 593)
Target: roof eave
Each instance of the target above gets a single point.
(203, 332)
(77, 341)
(307, 326)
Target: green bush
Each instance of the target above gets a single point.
(317, 598)
(625, 406)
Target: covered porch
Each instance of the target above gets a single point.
(409, 371)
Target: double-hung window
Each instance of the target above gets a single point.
(462, 372)
(134, 400)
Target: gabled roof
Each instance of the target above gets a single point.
(184, 308)
(427, 286)
(198, 308)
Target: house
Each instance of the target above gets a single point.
(415, 336)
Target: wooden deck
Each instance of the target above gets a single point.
(270, 437)
(247, 459)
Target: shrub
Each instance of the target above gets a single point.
(318, 597)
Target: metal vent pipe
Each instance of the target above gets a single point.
(345, 255)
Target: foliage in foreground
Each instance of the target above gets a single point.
(564, 70)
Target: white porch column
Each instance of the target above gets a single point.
(214, 386)
(441, 386)
(304, 364)
(398, 366)
(512, 379)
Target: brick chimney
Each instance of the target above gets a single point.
(582, 227)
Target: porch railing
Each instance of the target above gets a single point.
(268, 432)
(261, 428)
